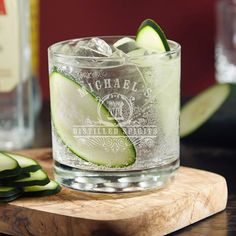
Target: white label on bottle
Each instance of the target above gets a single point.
(9, 45)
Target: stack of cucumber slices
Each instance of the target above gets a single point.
(23, 176)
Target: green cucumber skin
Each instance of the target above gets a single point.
(18, 183)
(10, 193)
(28, 183)
(220, 129)
(10, 172)
(11, 198)
(157, 28)
(27, 169)
(69, 77)
(43, 193)
(5, 181)
(33, 168)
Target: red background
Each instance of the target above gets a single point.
(191, 23)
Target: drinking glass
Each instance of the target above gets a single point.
(115, 116)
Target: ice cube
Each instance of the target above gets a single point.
(117, 58)
(66, 49)
(118, 54)
(138, 52)
(94, 47)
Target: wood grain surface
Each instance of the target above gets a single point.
(192, 196)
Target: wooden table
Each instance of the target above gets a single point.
(218, 160)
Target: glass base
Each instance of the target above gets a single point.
(115, 181)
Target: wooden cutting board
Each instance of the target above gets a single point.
(192, 196)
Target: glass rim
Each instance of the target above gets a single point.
(51, 49)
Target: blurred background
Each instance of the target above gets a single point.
(191, 23)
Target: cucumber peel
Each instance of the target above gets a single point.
(10, 198)
(151, 37)
(6, 192)
(5, 181)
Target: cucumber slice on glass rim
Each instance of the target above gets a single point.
(8, 166)
(37, 191)
(151, 37)
(27, 164)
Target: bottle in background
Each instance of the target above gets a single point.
(16, 108)
(225, 49)
(34, 22)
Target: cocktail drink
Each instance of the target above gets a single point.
(115, 113)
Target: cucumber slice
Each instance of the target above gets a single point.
(210, 117)
(9, 191)
(126, 44)
(151, 37)
(3, 182)
(8, 166)
(36, 178)
(27, 164)
(10, 198)
(70, 107)
(123, 41)
(199, 109)
(37, 191)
